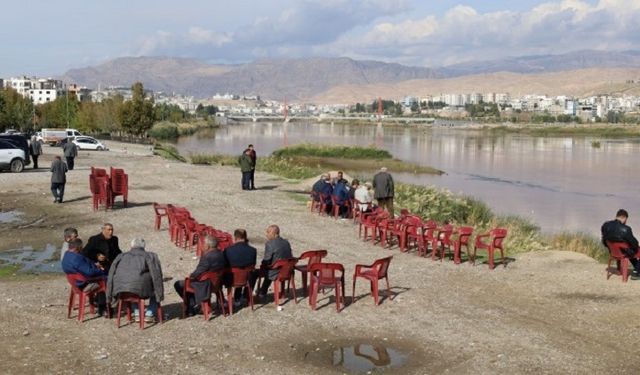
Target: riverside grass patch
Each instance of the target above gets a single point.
(339, 152)
(172, 130)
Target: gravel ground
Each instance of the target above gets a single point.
(547, 312)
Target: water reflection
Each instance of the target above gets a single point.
(31, 260)
(362, 358)
(562, 183)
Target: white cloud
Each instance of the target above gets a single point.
(463, 34)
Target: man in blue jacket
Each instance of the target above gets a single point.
(73, 262)
(341, 193)
(240, 254)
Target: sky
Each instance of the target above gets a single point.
(46, 38)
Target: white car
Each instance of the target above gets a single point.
(84, 142)
(11, 156)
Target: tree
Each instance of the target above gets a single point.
(137, 115)
(16, 111)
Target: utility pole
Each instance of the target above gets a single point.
(67, 95)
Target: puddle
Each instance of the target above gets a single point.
(364, 358)
(360, 357)
(10, 217)
(31, 260)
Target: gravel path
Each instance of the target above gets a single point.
(547, 312)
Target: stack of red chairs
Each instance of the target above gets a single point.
(119, 185)
(99, 186)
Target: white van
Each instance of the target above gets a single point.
(53, 136)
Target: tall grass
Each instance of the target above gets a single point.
(580, 243)
(341, 152)
(172, 130)
(168, 152)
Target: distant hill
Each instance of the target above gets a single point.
(297, 79)
(343, 79)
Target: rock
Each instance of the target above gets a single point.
(25, 333)
(102, 356)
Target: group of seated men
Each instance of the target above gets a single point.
(343, 193)
(139, 272)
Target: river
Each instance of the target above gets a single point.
(561, 183)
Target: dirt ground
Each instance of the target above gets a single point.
(547, 312)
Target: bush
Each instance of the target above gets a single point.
(342, 152)
(213, 159)
(164, 130)
(168, 152)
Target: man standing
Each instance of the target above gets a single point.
(245, 168)
(383, 190)
(74, 262)
(275, 248)
(617, 230)
(254, 159)
(139, 272)
(211, 260)
(58, 179)
(240, 254)
(70, 152)
(35, 148)
(103, 248)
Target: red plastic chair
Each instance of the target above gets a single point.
(128, 299)
(160, 211)
(99, 172)
(374, 272)
(215, 278)
(464, 236)
(119, 185)
(394, 228)
(372, 223)
(83, 297)
(315, 201)
(286, 274)
(100, 192)
(314, 256)
(409, 232)
(335, 207)
(327, 275)
(240, 279)
(426, 237)
(496, 237)
(357, 209)
(616, 252)
(324, 202)
(442, 241)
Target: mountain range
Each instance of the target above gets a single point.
(338, 79)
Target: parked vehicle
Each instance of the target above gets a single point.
(89, 143)
(12, 157)
(22, 143)
(54, 136)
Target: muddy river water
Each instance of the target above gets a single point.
(561, 183)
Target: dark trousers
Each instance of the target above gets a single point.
(35, 161)
(70, 163)
(57, 189)
(252, 179)
(192, 306)
(246, 180)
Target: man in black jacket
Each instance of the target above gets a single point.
(103, 248)
(240, 254)
(211, 260)
(617, 231)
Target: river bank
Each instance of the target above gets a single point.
(547, 312)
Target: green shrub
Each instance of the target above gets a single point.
(164, 130)
(342, 152)
(215, 159)
(168, 152)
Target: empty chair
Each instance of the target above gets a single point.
(326, 275)
(464, 236)
(616, 252)
(412, 230)
(128, 299)
(313, 256)
(374, 272)
(83, 297)
(442, 241)
(100, 193)
(160, 211)
(426, 237)
(496, 237)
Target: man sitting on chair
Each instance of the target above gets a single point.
(617, 231)
(138, 272)
(74, 262)
(211, 260)
(275, 248)
(240, 254)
